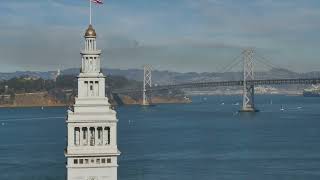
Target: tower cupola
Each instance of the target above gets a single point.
(90, 32)
(90, 37)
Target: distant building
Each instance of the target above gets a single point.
(29, 77)
(92, 124)
(57, 75)
(6, 89)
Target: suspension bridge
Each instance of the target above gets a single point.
(248, 82)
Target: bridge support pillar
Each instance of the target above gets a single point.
(248, 84)
(248, 99)
(147, 84)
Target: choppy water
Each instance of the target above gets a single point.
(205, 140)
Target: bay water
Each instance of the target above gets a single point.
(205, 140)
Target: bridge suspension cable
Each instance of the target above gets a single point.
(265, 62)
(235, 61)
(265, 65)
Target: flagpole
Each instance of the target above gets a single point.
(90, 11)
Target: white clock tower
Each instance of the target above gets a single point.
(92, 124)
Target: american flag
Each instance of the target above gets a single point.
(97, 1)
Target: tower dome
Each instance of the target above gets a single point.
(90, 32)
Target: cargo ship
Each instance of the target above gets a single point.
(312, 92)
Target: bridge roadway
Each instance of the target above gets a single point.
(223, 83)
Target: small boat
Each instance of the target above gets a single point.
(236, 104)
(282, 108)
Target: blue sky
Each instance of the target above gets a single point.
(176, 35)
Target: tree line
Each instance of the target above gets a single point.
(30, 85)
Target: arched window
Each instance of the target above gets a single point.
(85, 135)
(76, 136)
(107, 138)
(92, 136)
(100, 135)
(96, 90)
(91, 88)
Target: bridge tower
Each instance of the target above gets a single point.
(147, 84)
(248, 85)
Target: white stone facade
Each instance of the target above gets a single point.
(91, 124)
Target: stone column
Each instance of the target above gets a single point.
(77, 134)
(87, 44)
(70, 136)
(87, 88)
(113, 134)
(104, 136)
(96, 90)
(87, 136)
(96, 136)
(98, 64)
(101, 137)
(102, 87)
(80, 137)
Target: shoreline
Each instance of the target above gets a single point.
(163, 101)
(67, 105)
(32, 106)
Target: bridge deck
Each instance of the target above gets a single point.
(225, 83)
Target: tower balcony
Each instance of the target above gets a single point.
(94, 75)
(91, 52)
(92, 151)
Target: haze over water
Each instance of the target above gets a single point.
(204, 140)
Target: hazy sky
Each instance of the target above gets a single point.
(178, 35)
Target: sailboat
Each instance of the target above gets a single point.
(282, 108)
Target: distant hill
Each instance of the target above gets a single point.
(168, 77)
(36, 74)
